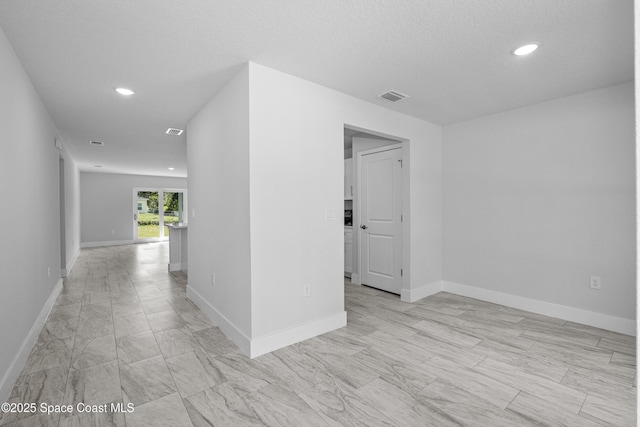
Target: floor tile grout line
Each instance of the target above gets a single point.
(75, 339)
(115, 337)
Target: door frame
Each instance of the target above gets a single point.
(63, 218)
(160, 192)
(358, 205)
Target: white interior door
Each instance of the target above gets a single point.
(381, 219)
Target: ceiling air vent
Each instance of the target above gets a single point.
(174, 131)
(96, 143)
(393, 96)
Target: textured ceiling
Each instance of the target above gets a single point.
(453, 57)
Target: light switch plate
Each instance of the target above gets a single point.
(330, 214)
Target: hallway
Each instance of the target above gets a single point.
(123, 332)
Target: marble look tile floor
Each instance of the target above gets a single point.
(123, 332)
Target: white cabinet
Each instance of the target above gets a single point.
(348, 179)
(178, 244)
(348, 251)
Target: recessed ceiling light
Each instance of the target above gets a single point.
(124, 91)
(97, 166)
(171, 169)
(526, 49)
(96, 143)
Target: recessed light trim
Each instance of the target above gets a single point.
(171, 169)
(97, 166)
(526, 49)
(96, 143)
(124, 91)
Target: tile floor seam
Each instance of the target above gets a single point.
(117, 348)
(514, 398)
(75, 338)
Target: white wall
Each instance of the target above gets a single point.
(538, 199)
(219, 235)
(637, 153)
(305, 176)
(107, 204)
(296, 175)
(294, 143)
(30, 231)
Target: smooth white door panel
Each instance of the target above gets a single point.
(381, 219)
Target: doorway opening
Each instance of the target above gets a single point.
(376, 196)
(63, 221)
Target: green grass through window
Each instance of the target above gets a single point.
(148, 225)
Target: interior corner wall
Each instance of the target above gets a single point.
(30, 236)
(106, 205)
(538, 199)
(297, 173)
(219, 235)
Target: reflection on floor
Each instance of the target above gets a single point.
(123, 331)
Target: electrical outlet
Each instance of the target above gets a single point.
(213, 279)
(595, 282)
(307, 290)
(49, 272)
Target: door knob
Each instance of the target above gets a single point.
(364, 227)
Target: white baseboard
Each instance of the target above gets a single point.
(280, 339)
(355, 278)
(572, 314)
(107, 243)
(413, 295)
(73, 260)
(65, 271)
(10, 377)
(230, 330)
(265, 344)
